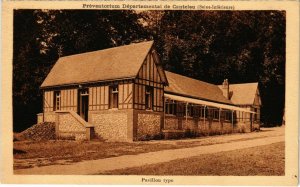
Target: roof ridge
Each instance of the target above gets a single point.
(106, 49)
(178, 84)
(105, 64)
(245, 83)
(239, 83)
(191, 78)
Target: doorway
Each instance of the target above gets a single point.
(83, 103)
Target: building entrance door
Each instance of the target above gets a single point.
(83, 103)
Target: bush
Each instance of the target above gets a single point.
(158, 136)
(190, 134)
(149, 137)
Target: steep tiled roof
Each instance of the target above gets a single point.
(183, 85)
(108, 64)
(243, 94)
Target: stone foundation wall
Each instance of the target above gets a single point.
(147, 125)
(203, 128)
(171, 123)
(129, 124)
(67, 127)
(112, 125)
(241, 127)
(248, 126)
(199, 127)
(215, 127)
(48, 117)
(227, 128)
(189, 124)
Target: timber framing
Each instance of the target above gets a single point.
(132, 97)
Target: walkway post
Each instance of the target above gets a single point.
(251, 117)
(220, 114)
(220, 119)
(232, 119)
(204, 114)
(186, 112)
(164, 99)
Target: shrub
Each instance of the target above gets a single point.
(190, 134)
(158, 136)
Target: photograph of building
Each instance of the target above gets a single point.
(153, 92)
(123, 94)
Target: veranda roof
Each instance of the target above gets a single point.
(207, 103)
(182, 85)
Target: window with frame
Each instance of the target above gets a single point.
(203, 112)
(170, 107)
(180, 109)
(196, 111)
(222, 114)
(57, 101)
(149, 98)
(209, 113)
(216, 114)
(228, 115)
(242, 116)
(113, 96)
(189, 109)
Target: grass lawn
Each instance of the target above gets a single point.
(262, 160)
(49, 152)
(41, 153)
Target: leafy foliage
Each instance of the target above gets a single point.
(243, 46)
(42, 36)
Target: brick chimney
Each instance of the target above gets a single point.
(225, 88)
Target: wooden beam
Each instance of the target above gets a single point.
(232, 119)
(43, 105)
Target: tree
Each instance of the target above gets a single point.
(42, 36)
(243, 46)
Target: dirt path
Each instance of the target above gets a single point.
(101, 165)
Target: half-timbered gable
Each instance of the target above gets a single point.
(257, 99)
(149, 84)
(106, 79)
(123, 94)
(107, 85)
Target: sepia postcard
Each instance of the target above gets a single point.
(150, 92)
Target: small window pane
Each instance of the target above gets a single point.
(113, 96)
(56, 104)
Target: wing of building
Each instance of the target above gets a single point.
(124, 94)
